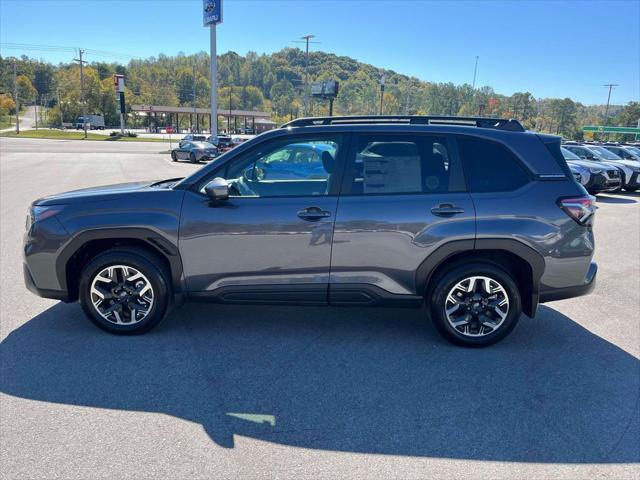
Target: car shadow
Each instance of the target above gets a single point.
(358, 380)
(608, 199)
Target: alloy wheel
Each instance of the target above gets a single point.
(477, 306)
(122, 294)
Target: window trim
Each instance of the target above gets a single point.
(350, 162)
(523, 166)
(341, 138)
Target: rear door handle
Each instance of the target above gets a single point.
(446, 210)
(313, 214)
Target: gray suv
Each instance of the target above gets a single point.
(473, 219)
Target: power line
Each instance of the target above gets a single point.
(64, 49)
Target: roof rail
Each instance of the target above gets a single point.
(481, 122)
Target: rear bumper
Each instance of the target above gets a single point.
(587, 287)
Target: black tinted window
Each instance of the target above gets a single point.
(490, 167)
(387, 164)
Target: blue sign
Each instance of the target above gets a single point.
(211, 12)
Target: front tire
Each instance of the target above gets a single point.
(475, 305)
(174, 156)
(125, 291)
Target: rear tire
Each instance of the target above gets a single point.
(481, 317)
(174, 156)
(192, 158)
(108, 296)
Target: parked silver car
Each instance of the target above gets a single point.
(194, 152)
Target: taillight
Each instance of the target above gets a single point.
(581, 209)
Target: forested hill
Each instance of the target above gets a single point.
(275, 83)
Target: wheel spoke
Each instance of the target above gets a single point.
(463, 321)
(472, 284)
(455, 307)
(101, 292)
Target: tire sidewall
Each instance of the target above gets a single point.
(155, 275)
(448, 281)
(174, 156)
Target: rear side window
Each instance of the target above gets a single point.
(490, 167)
(396, 164)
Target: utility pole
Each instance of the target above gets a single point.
(475, 71)
(194, 96)
(229, 118)
(84, 104)
(60, 108)
(15, 97)
(606, 112)
(306, 38)
(382, 78)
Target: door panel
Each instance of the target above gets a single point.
(382, 239)
(255, 241)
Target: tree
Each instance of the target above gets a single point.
(282, 94)
(7, 107)
(26, 90)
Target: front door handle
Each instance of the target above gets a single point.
(313, 214)
(446, 210)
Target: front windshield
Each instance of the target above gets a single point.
(606, 154)
(568, 155)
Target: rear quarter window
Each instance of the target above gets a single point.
(490, 167)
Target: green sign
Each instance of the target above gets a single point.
(605, 129)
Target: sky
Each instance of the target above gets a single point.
(549, 48)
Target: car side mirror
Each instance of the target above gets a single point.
(217, 190)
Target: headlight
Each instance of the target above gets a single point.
(595, 171)
(38, 213)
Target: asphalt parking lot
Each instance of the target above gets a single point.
(263, 392)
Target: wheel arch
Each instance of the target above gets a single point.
(90, 243)
(523, 262)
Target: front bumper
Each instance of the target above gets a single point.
(598, 182)
(551, 295)
(31, 286)
(633, 182)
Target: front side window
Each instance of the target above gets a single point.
(568, 154)
(581, 152)
(490, 167)
(606, 154)
(395, 164)
(284, 168)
